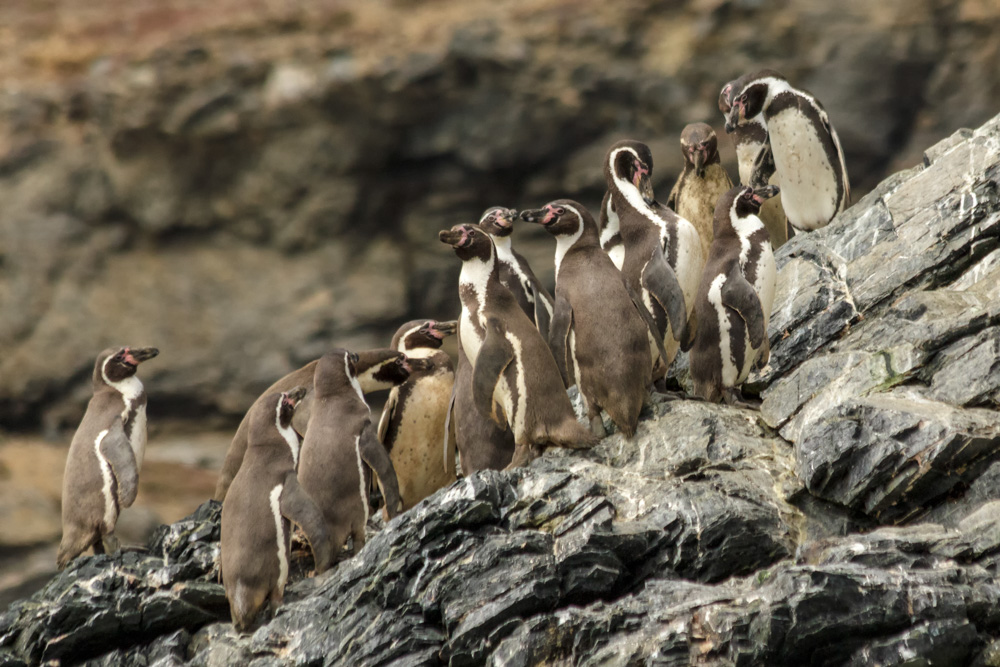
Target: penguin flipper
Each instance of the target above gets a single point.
(296, 506)
(661, 282)
(763, 166)
(739, 295)
(542, 305)
(116, 450)
(674, 193)
(562, 322)
(387, 414)
(450, 439)
(374, 455)
(647, 317)
(495, 354)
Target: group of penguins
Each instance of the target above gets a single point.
(631, 289)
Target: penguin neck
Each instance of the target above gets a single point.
(505, 250)
(743, 229)
(775, 87)
(130, 389)
(626, 194)
(419, 352)
(289, 435)
(477, 274)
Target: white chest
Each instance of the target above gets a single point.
(808, 180)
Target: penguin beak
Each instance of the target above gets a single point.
(534, 216)
(733, 119)
(136, 356)
(507, 218)
(699, 156)
(445, 329)
(646, 189)
(295, 395)
(762, 194)
(456, 237)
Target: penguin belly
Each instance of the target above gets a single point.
(417, 451)
(808, 180)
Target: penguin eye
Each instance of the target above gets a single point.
(743, 98)
(560, 211)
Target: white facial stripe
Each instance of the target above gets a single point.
(130, 388)
(354, 380)
(617, 251)
(110, 515)
(401, 347)
(361, 477)
(729, 370)
(564, 242)
(631, 193)
(288, 433)
(275, 499)
(744, 227)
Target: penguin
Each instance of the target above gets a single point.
(702, 181)
(658, 252)
(412, 427)
(105, 456)
(482, 444)
(515, 274)
(512, 364)
(340, 449)
(734, 298)
(599, 335)
(748, 140)
(378, 370)
(803, 145)
(264, 498)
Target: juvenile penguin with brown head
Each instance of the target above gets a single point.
(412, 427)
(341, 449)
(702, 181)
(598, 333)
(265, 497)
(105, 457)
(377, 369)
(515, 378)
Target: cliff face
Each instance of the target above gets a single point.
(244, 186)
(851, 521)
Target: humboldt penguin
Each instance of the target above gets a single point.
(599, 334)
(734, 298)
(515, 274)
(515, 378)
(660, 252)
(412, 427)
(378, 369)
(804, 147)
(748, 140)
(102, 468)
(264, 498)
(702, 181)
(341, 449)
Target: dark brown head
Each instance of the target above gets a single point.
(116, 364)
(630, 163)
(383, 368)
(747, 100)
(275, 413)
(739, 202)
(469, 242)
(422, 334)
(336, 372)
(563, 217)
(699, 146)
(498, 221)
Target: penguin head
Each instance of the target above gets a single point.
(469, 242)
(699, 146)
(335, 371)
(630, 162)
(749, 93)
(498, 221)
(562, 217)
(726, 98)
(287, 402)
(275, 411)
(383, 368)
(422, 334)
(117, 364)
(744, 201)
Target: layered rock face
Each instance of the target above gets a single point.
(851, 521)
(245, 186)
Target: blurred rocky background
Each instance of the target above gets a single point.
(245, 184)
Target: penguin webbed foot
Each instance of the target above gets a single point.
(734, 397)
(597, 426)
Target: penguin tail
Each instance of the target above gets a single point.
(244, 604)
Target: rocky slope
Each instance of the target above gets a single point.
(245, 184)
(851, 521)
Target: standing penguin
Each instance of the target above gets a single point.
(512, 364)
(599, 336)
(803, 145)
(265, 496)
(734, 298)
(702, 181)
(515, 274)
(412, 427)
(378, 369)
(102, 467)
(658, 252)
(340, 450)
(749, 138)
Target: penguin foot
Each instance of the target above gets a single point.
(672, 395)
(111, 544)
(597, 426)
(734, 397)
